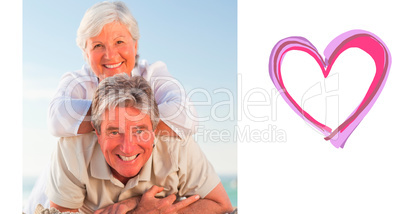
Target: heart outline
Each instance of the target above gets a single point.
(361, 39)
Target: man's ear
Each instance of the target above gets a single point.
(153, 135)
(96, 131)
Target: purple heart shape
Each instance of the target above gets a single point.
(364, 40)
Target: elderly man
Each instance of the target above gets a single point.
(123, 167)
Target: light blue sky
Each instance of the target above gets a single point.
(197, 40)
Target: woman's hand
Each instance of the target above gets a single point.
(164, 130)
(86, 126)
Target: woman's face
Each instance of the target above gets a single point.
(112, 51)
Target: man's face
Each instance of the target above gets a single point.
(126, 140)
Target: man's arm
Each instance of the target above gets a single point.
(62, 209)
(120, 207)
(217, 201)
(199, 177)
(125, 206)
(150, 204)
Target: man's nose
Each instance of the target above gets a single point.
(128, 144)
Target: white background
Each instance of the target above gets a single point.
(11, 107)
(306, 174)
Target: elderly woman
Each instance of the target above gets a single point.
(108, 36)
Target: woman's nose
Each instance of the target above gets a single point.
(111, 52)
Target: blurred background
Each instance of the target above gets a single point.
(197, 41)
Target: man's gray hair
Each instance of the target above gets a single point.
(101, 14)
(121, 90)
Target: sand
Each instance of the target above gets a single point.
(41, 210)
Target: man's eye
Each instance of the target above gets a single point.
(139, 131)
(120, 42)
(114, 133)
(97, 46)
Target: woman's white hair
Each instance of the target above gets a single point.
(101, 14)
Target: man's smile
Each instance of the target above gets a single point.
(125, 158)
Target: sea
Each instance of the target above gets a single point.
(228, 181)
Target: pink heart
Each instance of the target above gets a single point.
(364, 40)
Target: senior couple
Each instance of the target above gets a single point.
(135, 154)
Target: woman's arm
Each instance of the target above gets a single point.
(69, 111)
(175, 111)
(164, 130)
(86, 125)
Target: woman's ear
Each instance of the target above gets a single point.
(135, 47)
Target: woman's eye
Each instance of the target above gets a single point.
(120, 42)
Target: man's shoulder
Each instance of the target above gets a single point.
(174, 147)
(82, 140)
(77, 150)
(185, 158)
(175, 141)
